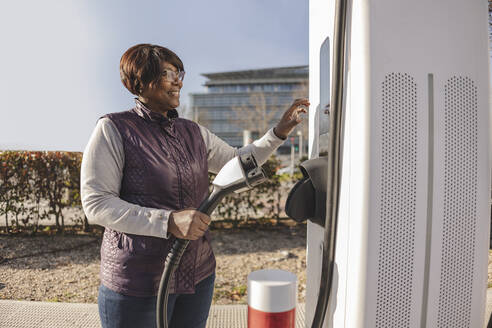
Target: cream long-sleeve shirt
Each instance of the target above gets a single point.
(102, 171)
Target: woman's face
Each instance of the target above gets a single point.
(165, 93)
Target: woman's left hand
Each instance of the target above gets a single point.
(291, 118)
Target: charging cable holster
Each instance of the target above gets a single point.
(307, 199)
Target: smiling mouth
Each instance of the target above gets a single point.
(173, 93)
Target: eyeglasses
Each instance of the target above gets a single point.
(171, 75)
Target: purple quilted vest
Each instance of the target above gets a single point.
(165, 168)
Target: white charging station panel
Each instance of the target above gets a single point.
(413, 231)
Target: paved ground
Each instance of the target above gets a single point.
(23, 314)
(488, 310)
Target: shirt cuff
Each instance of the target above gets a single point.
(274, 138)
(160, 220)
(273, 131)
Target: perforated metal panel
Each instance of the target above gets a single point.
(398, 198)
(460, 203)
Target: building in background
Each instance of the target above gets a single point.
(250, 100)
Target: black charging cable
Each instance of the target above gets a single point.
(253, 175)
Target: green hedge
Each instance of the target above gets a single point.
(35, 186)
(38, 185)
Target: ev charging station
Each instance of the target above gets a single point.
(413, 226)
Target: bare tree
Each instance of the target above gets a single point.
(256, 115)
(202, 117)
(261, 110)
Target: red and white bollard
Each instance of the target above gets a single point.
(272, 297)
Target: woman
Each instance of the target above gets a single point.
(144, 171)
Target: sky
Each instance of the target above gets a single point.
(59, 60)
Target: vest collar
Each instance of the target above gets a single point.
(152, 116)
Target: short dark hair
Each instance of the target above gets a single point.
(141, 66)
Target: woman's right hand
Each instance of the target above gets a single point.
(188, 224)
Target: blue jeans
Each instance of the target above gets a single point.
(183, 310)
